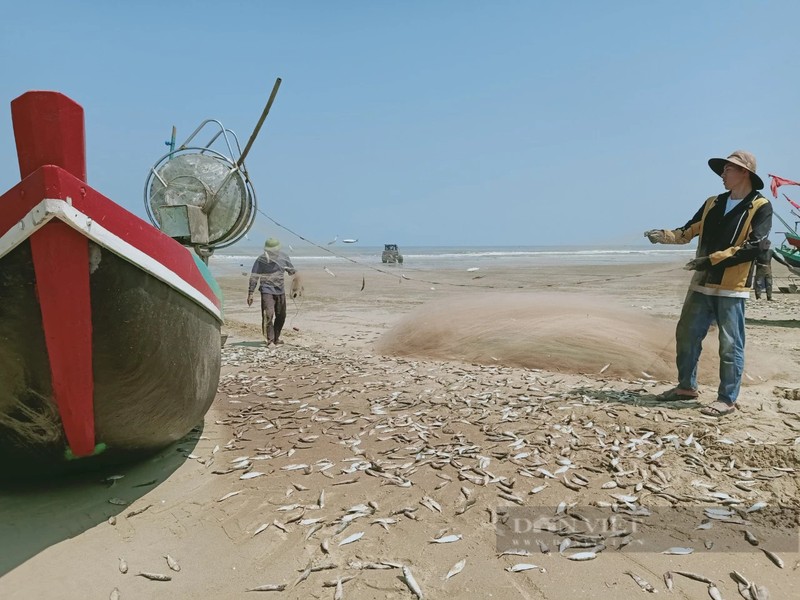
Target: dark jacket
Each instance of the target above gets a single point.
(732, 242)
(267, 273)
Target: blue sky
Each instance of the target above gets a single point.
(424, 122)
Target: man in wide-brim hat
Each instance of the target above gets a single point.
(267, 276)
(733, 228)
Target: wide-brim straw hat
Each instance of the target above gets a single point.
(740, 158)
(272, 244)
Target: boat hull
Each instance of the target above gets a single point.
(155, 363)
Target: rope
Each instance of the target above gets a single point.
(449, 283)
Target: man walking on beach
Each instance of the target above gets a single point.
(733, 228)
(764, 272)
(268, 272)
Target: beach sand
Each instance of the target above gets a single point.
(389, 414)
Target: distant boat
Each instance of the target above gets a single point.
(349, 241)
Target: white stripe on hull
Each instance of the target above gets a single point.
(48, 209)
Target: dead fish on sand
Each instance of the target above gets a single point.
(447, 539)
(519, 567)
(350, 539)
(172, 563)
(412, 584)
(456, 569)
(269, 587)
(155, 576)
(646, 586)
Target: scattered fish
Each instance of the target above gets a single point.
(678, 551)
(456, 569)
(695, 576)
(350, 539)
(774, 558)
(582, 556)
(229, 495)
(519, 567)
(172, 563)
(447, 539)
(155, 576)
(641, 582)
(412, 584)
(269, 587)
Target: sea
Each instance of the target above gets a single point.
(455, 257)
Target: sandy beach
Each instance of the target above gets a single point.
(402, 425)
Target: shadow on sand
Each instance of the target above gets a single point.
(636, 398)
(37, 514)
(260, 344)
(790, 323)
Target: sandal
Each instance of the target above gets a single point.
(718, 409)
(677, 394)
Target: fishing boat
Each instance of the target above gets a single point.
(792, 237)
(109, 328)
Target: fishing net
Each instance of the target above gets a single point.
(552, 332)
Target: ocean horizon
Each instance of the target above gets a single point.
(458, 257)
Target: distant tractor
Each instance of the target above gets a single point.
(391, 254)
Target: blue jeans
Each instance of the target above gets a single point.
(699, 312)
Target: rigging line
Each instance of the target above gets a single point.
(467, 285)
(376, 269)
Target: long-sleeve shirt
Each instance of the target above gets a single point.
(731, 240)
(268, 271)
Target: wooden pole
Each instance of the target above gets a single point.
(264, 114)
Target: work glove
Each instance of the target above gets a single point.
(698, 264)
(656, 236)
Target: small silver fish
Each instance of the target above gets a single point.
(774, 558)
(456, 569)
(269, 587)
(338, 594)
(448, 539)
(678, 550)
(519, 567)
(695, 576)
(412, 584)
(155, 576)
(751, 539)
(582, 556)
(515, 552)
(668, 581)
(229, 495)
(172, 563)
(350, 539)
(646, 586)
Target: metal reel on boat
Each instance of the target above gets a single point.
(199, 196)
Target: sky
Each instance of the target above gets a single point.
(422, 122)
